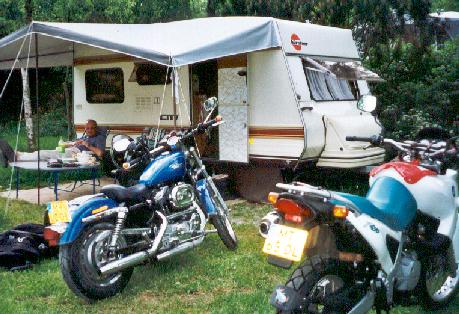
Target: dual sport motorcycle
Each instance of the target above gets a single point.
(397, 245)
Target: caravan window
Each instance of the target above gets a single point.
(104, 86)
(150, 74)
(324, 84)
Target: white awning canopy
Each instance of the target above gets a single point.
(175, 43)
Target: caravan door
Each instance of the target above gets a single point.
(232, 96)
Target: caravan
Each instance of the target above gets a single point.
(287, 90)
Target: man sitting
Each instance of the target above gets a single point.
(92, 141)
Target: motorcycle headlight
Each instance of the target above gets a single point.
(182, 196)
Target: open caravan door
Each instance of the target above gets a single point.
(232, 106)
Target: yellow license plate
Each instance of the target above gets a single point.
(58, 211)
(285, 242)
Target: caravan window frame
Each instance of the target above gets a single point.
(117, 84)
(353, 86)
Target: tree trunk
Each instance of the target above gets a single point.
(211, 4)
(27, 110)
(68, 106)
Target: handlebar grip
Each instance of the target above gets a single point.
(373, 140)
(358, 139)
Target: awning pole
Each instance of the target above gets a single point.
(174, 101)
(38, 116)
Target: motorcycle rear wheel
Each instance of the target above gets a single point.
(80, 261)
(324, 287)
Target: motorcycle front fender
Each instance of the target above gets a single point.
(76, 225)
(205, 198)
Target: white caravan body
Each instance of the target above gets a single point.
(255, 66)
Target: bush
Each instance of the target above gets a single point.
(421, 88)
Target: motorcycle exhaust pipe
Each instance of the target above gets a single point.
(136, 258)
(267, 221)
(179, 249)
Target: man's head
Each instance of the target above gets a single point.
(91, 128)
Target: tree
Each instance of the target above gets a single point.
(26, 89)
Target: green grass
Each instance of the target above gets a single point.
(27, 178)
(208, 279)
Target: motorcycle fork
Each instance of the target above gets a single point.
(210, 182)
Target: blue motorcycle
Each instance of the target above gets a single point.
(162, 215)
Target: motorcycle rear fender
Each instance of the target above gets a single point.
(76, 225)
(204, 197)
(321, 241)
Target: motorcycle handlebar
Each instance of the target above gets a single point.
(374, 140)
(201, 127)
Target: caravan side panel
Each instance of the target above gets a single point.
(141, 106)
(275, 127)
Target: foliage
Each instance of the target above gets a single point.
(421, 89)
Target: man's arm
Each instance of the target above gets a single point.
(98, 148)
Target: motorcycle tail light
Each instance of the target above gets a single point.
(340, 211)
(290, 208)
(52, 236)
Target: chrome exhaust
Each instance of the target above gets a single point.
(267, 221)
(136, 258)
(180, 249)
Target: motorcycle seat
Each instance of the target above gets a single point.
(388, 201)
(133, 194)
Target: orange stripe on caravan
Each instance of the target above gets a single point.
(123, 128)
(276, 132)
(266, 132)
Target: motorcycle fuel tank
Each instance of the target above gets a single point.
(435, 195)
(165, 168)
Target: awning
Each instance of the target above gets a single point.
(351, 70)
(175, 43)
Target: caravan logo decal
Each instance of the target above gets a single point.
(296, 42)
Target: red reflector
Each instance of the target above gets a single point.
(293, 218)
(290, 207)
(51, 236)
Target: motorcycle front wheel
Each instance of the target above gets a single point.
(80, 261)
(438, 287)
(225, 231)
(325, 286)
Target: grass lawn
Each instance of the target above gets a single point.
(208, 279)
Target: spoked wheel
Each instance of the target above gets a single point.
(222, 224)
(439, 287)
(325, 286)
(225, 231)
(80, 262)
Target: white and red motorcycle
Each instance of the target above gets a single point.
(399, 243)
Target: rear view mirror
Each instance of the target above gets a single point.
(367, 103)
(210, 104)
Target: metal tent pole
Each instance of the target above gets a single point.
(174, 101)
(38, 116)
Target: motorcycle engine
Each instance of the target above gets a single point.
(409, 272)
(181, 197)
(183, 216)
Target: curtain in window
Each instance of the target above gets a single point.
(318, 85)
(339, 89)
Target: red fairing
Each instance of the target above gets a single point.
(409, 171)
